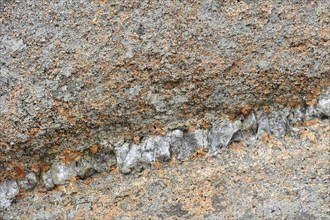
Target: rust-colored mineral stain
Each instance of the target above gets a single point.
(137, 139)
(265, 138)
(93, 149)
(200, 153)
(19, 173)
(68, 156)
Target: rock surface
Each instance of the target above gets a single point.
(272, 178)
(79, 74)
(95, 87)
(182, 145)
(8, 191)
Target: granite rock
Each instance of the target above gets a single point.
(136, 156)
(8, 191)
(220, 137)
(85, 169)
(277, 178)
(323, 105)
(184, 144)
(62, 173)
(273, 124)
(47, 180)
(29, 182)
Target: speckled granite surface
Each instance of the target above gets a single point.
(286, 178)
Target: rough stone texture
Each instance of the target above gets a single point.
(88, 87)
(8, 191)
(29, 182)
(150, 150)
(272, 178)
(185, 144)
(62, 173)
(76, 74)
(275, 124)
(323, 105)
(182, 145)
(219, 137)
(47, 180)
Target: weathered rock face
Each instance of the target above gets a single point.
(274, 178)
(93, 73)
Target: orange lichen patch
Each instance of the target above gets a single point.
(200, 153)
(173, 161)
(137, 139)
(267, 109)
(146, 173)
(189, 116)
(68, 156)
(60, 188)
(128, 134)
(19, 172)
(324, 33)
(35, 167)
(6, 174)
(311, 102)
(114, 170)
(297, 124)
(308, 134)
(313, 96)
(295, 103)
(205, 124)
(33, 131)
(94, 148)
(191, 128)
(22, 194)
(259, 88)
(3, 144)
(265, 138)
(232, 116)
(267, 91)
(245, 110)
(238, 147)
(68, 113)
(311, 122)
(157, 165)
(157, 128)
